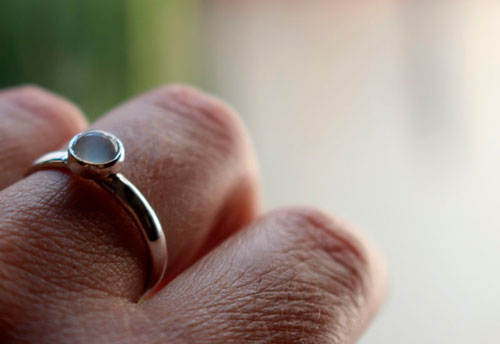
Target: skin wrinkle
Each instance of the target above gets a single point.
(294, 298)
(46, 239)
(303, 255)
(52, 312)
(199, 130)
(89, 323)
(56, 289)
(352, 255)
(346, 251)
(345, 278)
(207, 113)
(64, 261)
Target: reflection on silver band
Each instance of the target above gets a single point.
(98, 155)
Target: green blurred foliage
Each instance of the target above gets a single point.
(98, 52)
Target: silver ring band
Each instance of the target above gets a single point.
(98, 155)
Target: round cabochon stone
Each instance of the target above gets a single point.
(95, 148)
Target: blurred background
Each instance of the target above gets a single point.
(384, 112)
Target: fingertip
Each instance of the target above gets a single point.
(62, 115)
(34, 122)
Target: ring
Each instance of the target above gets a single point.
(99, 156)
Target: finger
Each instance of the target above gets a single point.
(294, 276)
(190, 156)
(65, 236)
(33, 122)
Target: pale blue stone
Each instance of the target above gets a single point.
(95, 148)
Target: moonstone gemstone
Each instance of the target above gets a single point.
(95, 148)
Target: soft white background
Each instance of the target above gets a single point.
(388, 114)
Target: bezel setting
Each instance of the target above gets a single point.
(84, 166)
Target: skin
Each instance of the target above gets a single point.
(73, 265)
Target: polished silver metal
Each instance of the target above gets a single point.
(99, 156)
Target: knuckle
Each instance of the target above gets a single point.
(327, 265)
(316, 237)
(210, 120)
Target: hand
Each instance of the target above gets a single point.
(73, 264)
